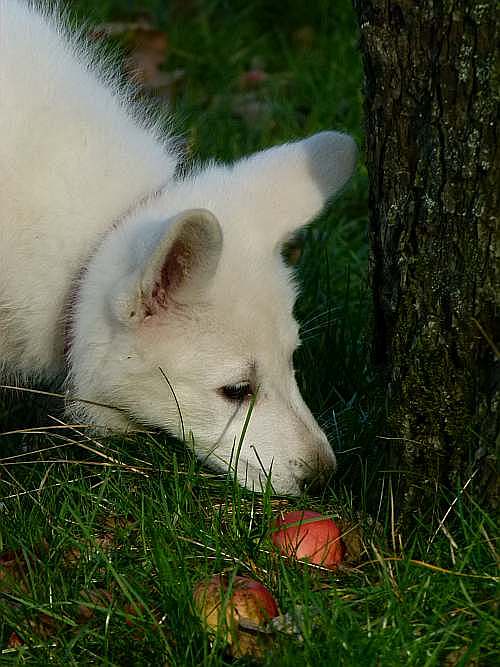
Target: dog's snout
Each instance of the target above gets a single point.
(313, 486)
(316, 482)
(316, 473)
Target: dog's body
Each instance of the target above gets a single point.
(115, 274)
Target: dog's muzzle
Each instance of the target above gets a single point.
(315, 474)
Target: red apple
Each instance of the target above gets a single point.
(231, 606)
(310, 536)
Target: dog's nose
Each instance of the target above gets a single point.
(315, 484)
(316, 475)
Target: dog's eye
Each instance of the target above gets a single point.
(237, 392)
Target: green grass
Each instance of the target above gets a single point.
(180, 524)
(141, 520)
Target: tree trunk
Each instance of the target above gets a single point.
(432, 149)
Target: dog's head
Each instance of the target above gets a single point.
(185, 322)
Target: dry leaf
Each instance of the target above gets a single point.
(455, 657)
(72, 556)
(352, 537)
(95, 597)
(132, 613)
(14, 565)
(14, 641)
(113, 522)
(248, 643)
(149, 50)
(44, 626)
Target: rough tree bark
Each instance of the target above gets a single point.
(432, 149)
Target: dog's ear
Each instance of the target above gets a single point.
(179, 267)
(293, 182)
(183, 261)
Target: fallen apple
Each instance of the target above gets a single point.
(310, 536)
(238, 608)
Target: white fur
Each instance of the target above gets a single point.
(159, 276)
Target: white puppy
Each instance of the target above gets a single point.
(134, 285)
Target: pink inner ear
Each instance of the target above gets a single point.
(176, 266)
(173, 272)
